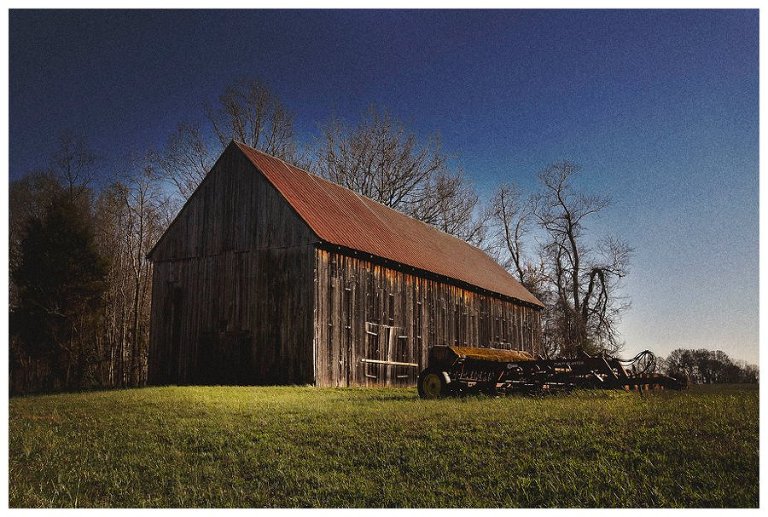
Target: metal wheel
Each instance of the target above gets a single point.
(432, 385)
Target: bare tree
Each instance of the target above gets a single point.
(185, 159)
(451, 204)
(73, 163)
(511, 218)
(511, 223)
(250, 113)
(381, 160)
(131, 218)
(584, 280)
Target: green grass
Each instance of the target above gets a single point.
(308, 447)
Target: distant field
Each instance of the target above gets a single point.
(307, 447)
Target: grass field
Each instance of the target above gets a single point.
(307, 447)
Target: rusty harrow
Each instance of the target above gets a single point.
(454, 370)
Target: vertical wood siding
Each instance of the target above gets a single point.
(365, 310)
(232, 288)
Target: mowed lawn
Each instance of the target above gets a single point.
(308, 447)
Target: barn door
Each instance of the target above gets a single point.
(401, 371)
(388, 359)
(225, 358)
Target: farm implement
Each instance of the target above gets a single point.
(454, 370)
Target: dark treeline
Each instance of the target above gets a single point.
(704, 366)
(81, 284)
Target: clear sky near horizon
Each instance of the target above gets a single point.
(660, 108)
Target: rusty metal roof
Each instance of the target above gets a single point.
(344, 218)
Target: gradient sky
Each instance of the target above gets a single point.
(660, 108)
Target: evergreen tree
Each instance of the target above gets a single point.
(60, 280)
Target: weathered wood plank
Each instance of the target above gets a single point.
(398, 303)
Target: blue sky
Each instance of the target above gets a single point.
(660, 108)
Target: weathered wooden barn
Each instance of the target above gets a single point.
(272, 275)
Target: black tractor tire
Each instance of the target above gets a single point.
(432, 384)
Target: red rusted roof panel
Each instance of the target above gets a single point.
(342, 217)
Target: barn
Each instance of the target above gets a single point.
(272, 275)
